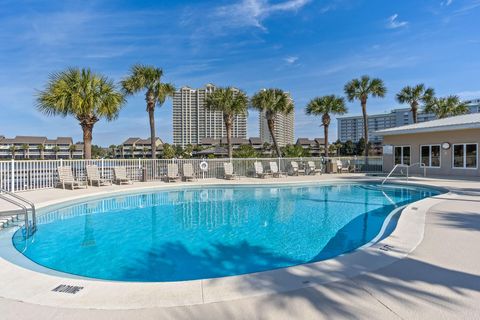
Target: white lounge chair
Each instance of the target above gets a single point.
(276, 173)
(172, 172)
(229, 174)
(188, 173)
(341, 168)
(295, 169)
(312, 169)
(66, 178)
(120, 174)
(259, 170)
(93, 177)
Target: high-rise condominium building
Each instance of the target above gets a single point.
(351, 127)
(192, 121)
(284, 128)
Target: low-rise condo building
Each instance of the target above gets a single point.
(33, 147)
(192, 121)
(351, 127)
(444, 147)
(139, 148)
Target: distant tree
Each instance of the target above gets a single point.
(13, 151)
(168, 151)
(71, 149)
(332, 149)
(230, 102)
(56, 150)
(414, 96)
(348, 148)
(361, 89)
(245, 151)
(148, 78)
(98, 152)
(295, 151)
(446, 107)
(113, 150)
(25, 148)
(83, 94)
(187, 151)
(272, 102)
(41, 148)
(144, 152)
(325, 106)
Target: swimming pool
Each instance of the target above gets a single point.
(199, 233)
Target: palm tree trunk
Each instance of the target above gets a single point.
(271, 128)
(151, 116)
(325, 134)
(228, 119)
(365, 125)
(87, 128)
(414, 112)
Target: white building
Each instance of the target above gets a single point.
(192, 121)
(284, 128)
(351, 127)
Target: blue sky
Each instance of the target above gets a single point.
(309, 48)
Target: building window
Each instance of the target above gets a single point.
(402, 155)
(430, 156)
(465, 155)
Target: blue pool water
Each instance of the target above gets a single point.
(211, 232)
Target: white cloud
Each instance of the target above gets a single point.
(468, 95)
(394, 23)
(291, 59)
(446, 3)
(251, 13)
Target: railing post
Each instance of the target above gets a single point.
(102, 168)
(12, 176)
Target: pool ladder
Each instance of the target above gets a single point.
(26, 206)
(422, 165)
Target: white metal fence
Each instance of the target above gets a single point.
(23, 175)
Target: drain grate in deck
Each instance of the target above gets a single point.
(63, 288)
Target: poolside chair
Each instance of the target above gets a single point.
(295, 169)
(274, 170)
(120, 174)
(341, 168)
(93, 177)
(229, 174)
(188, 173)
(66, 178)
(259, 170)
(312, 169)
(172, 172)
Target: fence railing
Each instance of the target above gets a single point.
(24, 175)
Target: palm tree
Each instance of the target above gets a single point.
(13, 151)
(25, 148)
(231, 102)
(361, 89)
(446, 107)
(414, 96)
(41, 148)
(83, 94)
(272, 102)
(113, 150)
(71, 149)
(148, 78)
(55, 150)
(325, 106)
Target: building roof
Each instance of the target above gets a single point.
(235, 140)
(466, 121)
(64, 140)
(131, 140)
(255, 140)
(320, 140)
(209, 141)
(305, 141)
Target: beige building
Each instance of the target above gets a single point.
(139, 148)
(34, 147)
(447, 147)
(192, 121)
(284, 128)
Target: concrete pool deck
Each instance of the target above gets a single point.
(439, 279)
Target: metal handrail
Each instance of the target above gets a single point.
(30, 229)
(422, 165)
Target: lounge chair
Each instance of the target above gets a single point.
(120, 174)
(312, 169)
(229, 174)
(188, 173)
(172, 172)
(295, 169)
(93, 177)
(259, 170)
(341, 168)
(274, 170)
(66, 178)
